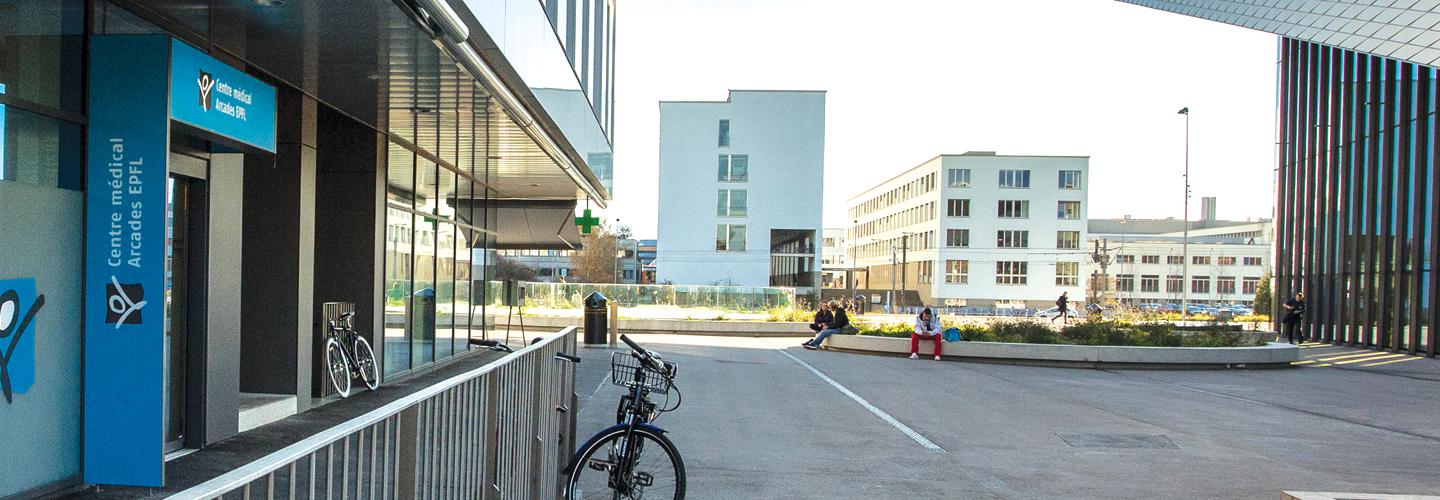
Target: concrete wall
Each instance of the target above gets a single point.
(784, 135)
(40, 238)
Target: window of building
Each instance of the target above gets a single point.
(730, 237)
(1125, 283)
(1225, 285)
(1174, 260)
(1011, 272)
(1252, 261)
(1200, 260)
(1013, 209)
(1124, 259)
(1225, 261)
(1015, 179)
(1012, 239)
(1149, 259)
(958, 177)
(1174, 283)
(1199, 284)
(1069, 210)
(38, 150)
(1067, 239)
(731, 203)
(1067, 273)
(957, 208)
(957, 238)
(734, 168)
(724, 133)
(1069, 179)
(925, 272)
(1249, 285)
(957, 272)
(1150, 283)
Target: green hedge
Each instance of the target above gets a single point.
(1110, 333)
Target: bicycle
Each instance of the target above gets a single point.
(349, 356)
(614, 463)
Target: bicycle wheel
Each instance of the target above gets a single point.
(338, 366)
(597, 471)
(365, 362)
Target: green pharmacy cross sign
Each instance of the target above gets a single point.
(587, 221)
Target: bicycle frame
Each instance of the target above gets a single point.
(638, 413)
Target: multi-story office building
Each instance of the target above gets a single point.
(185, 186)
(834, 258)
(557, 266)
(754, 220)
(1147, 260)
(645, 251)
(976, 229)
(1356, 213)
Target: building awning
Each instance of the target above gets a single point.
(535, 225)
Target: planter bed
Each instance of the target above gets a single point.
(1271, 355)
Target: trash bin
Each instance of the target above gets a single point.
(424, 304)
(596, 321)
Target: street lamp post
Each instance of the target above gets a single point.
(1185, 238)
(850, 266)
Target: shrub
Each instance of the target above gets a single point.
(789, 314)
(1024, 331)
(1253, 318)
(887, 330)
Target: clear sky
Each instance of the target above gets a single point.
(910, 79)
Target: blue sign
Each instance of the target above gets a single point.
(126, 174)
(18, 307)
(213, 96)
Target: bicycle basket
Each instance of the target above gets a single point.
(622, 373)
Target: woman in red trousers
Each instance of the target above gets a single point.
(927, 326)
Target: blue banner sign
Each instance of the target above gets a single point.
(212, 96)
(18, 307)
(125, 296)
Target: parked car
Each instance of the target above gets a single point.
(1149, 307)
(1053, 312)
(1201, 309)
(1241, 311)
(1170, 308)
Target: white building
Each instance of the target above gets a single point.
(977, 229)
(554, 266)
(834, 258)
(755, 219)
(1147, 259)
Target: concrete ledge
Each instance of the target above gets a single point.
(680, 326)
(1326, 495)
(1269, 355)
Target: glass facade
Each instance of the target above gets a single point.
(1355, 212)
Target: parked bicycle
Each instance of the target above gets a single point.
(633, 458)
(348, 356)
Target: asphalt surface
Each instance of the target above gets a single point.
(755, 422)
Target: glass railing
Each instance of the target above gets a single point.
(729, 298)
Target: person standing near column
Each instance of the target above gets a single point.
(1294, 311)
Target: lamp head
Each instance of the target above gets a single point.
(1183, 111)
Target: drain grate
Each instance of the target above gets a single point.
(1120, 441)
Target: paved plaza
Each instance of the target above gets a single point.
(763, 418)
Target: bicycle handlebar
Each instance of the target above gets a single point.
(644, 355)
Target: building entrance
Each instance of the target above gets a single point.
(184, 293)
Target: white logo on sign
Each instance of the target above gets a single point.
(206, 82)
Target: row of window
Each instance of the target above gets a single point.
(957, 272)
(1174, 283)
(924, 240)
(1199, 260)
(904, 218)
(1012, 179)
(1006, 238)
(917, 187)
(1012, 209)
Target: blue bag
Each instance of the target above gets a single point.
(952, 334)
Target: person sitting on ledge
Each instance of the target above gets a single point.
(837, 322)
(927, 326)
(822, 317)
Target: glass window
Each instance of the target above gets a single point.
(39, 150)
(1068, 239)
(400, 176)
(731, 203)
(463, 271)
(958, 177)
(957, 272)
(957, 237)
(1225, 285)
(1249, 285)
(1013, 209)
(1067, 273)
(399, 229)
(1011, 272)
(1012, 239)
(1015, 179)
(422, 312)
(1174, 259)
(1252, 261)
(1124, 259)
(1200, 260)
(1067, 210)
(1150, 283)
(42, 52)
(1125, 283)
(734, 168)
(730, 237)
(957, 208)
(1199, 284)
(724, 133)
(1069, 179)
(1174, 283)
(444, 290)
(1149, 259)
(1225, 261)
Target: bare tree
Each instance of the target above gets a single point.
(595, 262)
(507, 269)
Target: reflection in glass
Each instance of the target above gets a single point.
(445, 289)
(422, 317)
(399, 229)
(39, 150)
(42, 47)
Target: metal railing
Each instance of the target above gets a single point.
(502, 430)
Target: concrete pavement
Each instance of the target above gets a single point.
(757, 424)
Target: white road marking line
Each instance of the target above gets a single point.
(878, 412)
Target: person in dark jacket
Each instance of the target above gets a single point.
(1063, 304)
(822, 317)
(837, 322)
(1294, 311)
